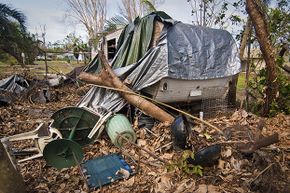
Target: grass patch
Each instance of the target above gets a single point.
(38, 69)
(241, 85)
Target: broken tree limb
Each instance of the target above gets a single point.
(161, 103)
(262, 142)
(103, 80)
(108, 78)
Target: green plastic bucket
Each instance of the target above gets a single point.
(120, 125)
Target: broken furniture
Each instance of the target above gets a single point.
(42, 135)
(75, 124)
(106, 169)
(99, 126)
(118, 126)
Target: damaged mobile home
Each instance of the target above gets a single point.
(169, 61)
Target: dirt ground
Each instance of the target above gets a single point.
(265, 170)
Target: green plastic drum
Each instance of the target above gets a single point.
(119, 124)
(75, 124)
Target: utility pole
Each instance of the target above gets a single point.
(204, 13)
(43, 33)
(200, 13)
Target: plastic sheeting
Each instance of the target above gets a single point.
(14, 83)
(196, 53)
(183, 52)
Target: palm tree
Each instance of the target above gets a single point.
(132, 9)
(13, 36)
(8, 17)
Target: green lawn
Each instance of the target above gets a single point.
(64, 67)
(38, 69)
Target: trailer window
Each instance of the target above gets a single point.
(111, 49)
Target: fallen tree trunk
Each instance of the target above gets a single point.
(108, 78)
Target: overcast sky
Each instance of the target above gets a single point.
(52, 14)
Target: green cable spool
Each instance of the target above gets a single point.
(63, 153)
(75, 124)
(81, 119)
(120, 125)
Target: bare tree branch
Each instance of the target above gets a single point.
(90, 13)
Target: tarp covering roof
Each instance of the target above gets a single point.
(183, 52)
(133, 42)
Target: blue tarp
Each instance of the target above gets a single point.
(103, 170)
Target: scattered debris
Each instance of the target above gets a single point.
(40, 96)
(106, 169)
(180, 130)
(15, 84)
(5, 101)
(118, 125)
(234, 175)
(80, 125)
(145, 121)
(207, 156)
(251, 147)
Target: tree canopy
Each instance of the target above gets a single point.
(14, 37)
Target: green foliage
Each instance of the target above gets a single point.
(149, 5)
(118, 21)
(216, 13)
(6, 59)
(279, 28)
(70, 43)
(279, 25)
(184, 165)
(257, 87)
(8, 16)
(14, 38)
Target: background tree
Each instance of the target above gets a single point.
(130, 9)
(92, 15)
(278, 28)
(14, 38)
(75, 43)
(216, 13)
(258, 17)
